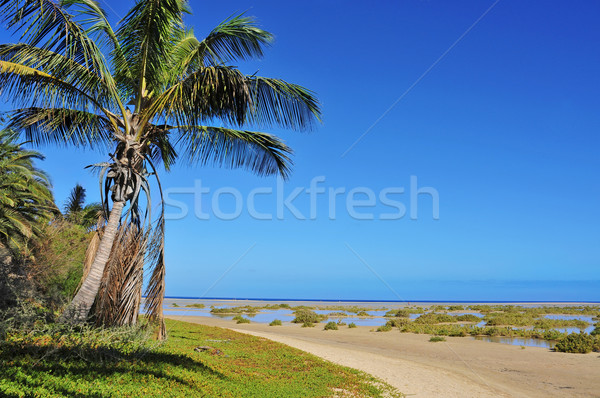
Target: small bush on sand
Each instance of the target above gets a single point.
(195, 305)
(276, 322)
(308, 325)
(384, 328)
(402, 313)
(308, 316)
(351, 325)
(435, 339)
(243, 320)
(331, 326)
(580, 343)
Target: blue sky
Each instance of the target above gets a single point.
(504, 127)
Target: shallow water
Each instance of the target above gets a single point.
(517, 341)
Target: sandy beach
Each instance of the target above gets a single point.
(459, 367)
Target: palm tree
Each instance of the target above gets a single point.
(25, 198)
(153, 91)
(76, 212)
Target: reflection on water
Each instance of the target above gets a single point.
(517, 341)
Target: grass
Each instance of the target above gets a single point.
(238, 365)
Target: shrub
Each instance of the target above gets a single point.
(456, 308)
(580, 343)
(398, 313)
(332, 314)
(362, 313)
(432, 318)
(243, 320)
(384, 328)
(175, 305)
(308, 325)
(195, 305)
(468, 318)
(308, 316)
(275, 322)
(341, 323)
(435, 339)
(331, 326)
(351, 325)
(398, 322)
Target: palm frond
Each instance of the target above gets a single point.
(147, 35)
(45, 23)
(261, 153)
(236, 38)
(211, 92)
(53, 64)
(61, 126)
(278, 103)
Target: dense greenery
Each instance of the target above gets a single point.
(308, 316)
(26, 202)
(579, 343)
(117, 363)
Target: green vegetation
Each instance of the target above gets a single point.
(331, 326)
(435, 339)
(341, 323)
(384, 328)
(432, 318)
(195, 305)
(175, 305)
(401, 313)
(308, 325)
(579, 343)
(336, 314)
(275, 322)
(121, 363)
(241, 319)
(234, 310)
(26, 203)
(351, 325)
(467, 318)
(308, 316)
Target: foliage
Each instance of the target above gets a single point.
(308, 316)
(250, 367)
(580, 343)
(25, 199)
(243, 320)
(308, 325)
(467, 318)
(234, 310)
(77, 212)
(195, 305)
(401, 313)
(351, 325)
(435, 339)
(432, 318)
(275, 322)
(331, 326)
(384, 328)
(58, 265)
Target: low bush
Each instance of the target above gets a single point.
(580, 343)
(308, 316)
(351, 325)
(195, 305)
(275, 322)
(243, 320)
(467, 318)
(432, 318)
(384, 328)
(331, 326)
(435, 339)
(401, 313)
(308, 325)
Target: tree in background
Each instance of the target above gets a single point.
(26, 202)
(153, 91)
(77, 212)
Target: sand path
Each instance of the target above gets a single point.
(460, 367)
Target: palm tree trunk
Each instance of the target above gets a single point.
(79, 308)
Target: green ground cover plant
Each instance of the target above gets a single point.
(50, 364)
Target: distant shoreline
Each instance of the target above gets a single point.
(415, 302)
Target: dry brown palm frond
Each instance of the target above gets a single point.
(119, 298)
(155, 292)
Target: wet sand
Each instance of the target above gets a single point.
(459, 367)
